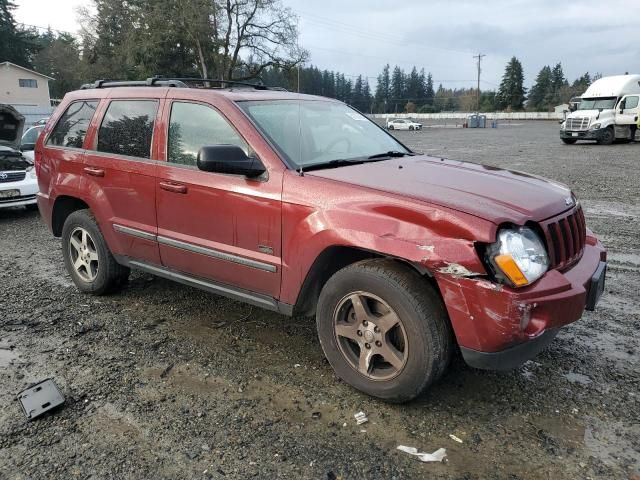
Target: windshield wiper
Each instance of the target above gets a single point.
(390, 153)
(340, 162)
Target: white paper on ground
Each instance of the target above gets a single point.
(437, 456)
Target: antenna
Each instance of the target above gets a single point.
(479, 57)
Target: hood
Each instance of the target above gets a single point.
(11, 126)
(490, 193)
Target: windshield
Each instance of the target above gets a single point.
(596, 103)
(313, 132)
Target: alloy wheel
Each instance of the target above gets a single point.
(370, 335)
(83, 254)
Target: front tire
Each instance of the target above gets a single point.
(87, 257)
(384, 329)
(607, 137)
(390, 127)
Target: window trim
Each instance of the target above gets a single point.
(226, 119)
(94, 148)
(45, 141)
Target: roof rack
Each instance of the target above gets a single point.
(179, 82)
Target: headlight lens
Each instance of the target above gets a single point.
(31, 171)
(595, 126)
(563, 125)
(519, 256)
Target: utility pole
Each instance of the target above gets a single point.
(479, 57)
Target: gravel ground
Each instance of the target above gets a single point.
(164, 381)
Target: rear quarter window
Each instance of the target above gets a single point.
(127, 128)
(72, 126)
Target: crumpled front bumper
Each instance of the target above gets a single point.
(498, 327)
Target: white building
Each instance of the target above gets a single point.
(26, 90)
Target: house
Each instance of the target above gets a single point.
(27, 91)
(560, 109)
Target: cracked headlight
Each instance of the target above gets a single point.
(518, 257)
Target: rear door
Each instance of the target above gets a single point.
(119, 173)
(60, 163)
(226, 228)
(628, 110)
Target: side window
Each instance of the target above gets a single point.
(72, 126)
(193, 126)
(127, 128)
(631, 102)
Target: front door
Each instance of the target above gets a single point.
(628, 110)
(224, 228)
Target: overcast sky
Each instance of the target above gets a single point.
(360, 36)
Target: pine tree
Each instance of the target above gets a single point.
(383, 89)
(540, 90)
(397, 89)
(16, 45)
(429, 94)
(512, 94)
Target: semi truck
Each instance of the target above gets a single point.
(608, 111)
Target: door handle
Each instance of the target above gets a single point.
(96, 172)
(173, 187)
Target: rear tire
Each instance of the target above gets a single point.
(569, 141)
(607, 137)
(384, 329)
(87, 256)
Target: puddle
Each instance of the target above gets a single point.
(577, 378)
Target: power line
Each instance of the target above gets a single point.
(479, 57)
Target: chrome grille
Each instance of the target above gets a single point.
(6, 177)
(578, 123)
(566, 236)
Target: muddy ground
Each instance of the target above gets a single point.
(164, 381)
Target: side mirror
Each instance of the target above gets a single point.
(229, 159)
(26, 147)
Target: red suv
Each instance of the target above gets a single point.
(302, 205)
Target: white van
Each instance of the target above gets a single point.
(608, 110)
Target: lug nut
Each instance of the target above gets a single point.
(365, 323)
(359, 333)
(376, 329)
(366, 345)
(378, 343)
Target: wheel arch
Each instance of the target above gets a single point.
(64, 206)
(335, 258)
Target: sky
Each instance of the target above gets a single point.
(442, 36)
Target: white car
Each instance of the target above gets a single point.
(18, 181)
(403, 124)
(29, 139)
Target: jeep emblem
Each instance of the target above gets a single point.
(568, 201)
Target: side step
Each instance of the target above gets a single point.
(259, 300)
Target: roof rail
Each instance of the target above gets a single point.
(180, 82)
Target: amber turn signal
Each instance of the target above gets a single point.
(509, 267)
